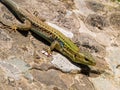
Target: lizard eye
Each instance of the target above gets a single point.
(87, 59)
(75, 55)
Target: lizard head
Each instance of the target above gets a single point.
(84, 58)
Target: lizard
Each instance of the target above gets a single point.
(58, 41)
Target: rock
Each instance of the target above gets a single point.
(95, 6)
(90, 43)
(49, 78)
(81, 6)
(2, 76)
(64, 64)
(18, 63)
(28, 76)
(84, 84)
(96, 23)
(93, 25)
(66, 33)
(103, 84)
(5, 40)
(61, 81)
(42, 66)
(104, 39)
(11, 81)
(114, 20)
(113, 59)
(14, 67)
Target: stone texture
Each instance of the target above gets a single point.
(62, 81)
(92, 25)
(5, 40)
(50, 78)
(64, 64)
(115, 20)
(94, 5)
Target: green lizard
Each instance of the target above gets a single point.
(57, 40)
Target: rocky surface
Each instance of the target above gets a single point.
(93, 25)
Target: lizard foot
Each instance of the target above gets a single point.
(47, 52)
(14, 27)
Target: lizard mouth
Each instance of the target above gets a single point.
(93, 63)
(88, 62)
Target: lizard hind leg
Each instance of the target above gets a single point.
(25, 26)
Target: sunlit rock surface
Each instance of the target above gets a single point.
(92, 25)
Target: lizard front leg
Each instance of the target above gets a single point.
(54, 45)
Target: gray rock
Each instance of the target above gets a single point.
(49, 78)
(77, 16)
(114, 20)
(96, 23)
(14, 67)
(28, 76)
(113, 59)
(95, 6)
(5, 40)
(20, 64)
(102, 83)
(90, 44)
(64, 64)
(82, 84)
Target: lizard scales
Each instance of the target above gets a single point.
(64, 44)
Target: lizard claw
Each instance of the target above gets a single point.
(47, 52)
(14, 27)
